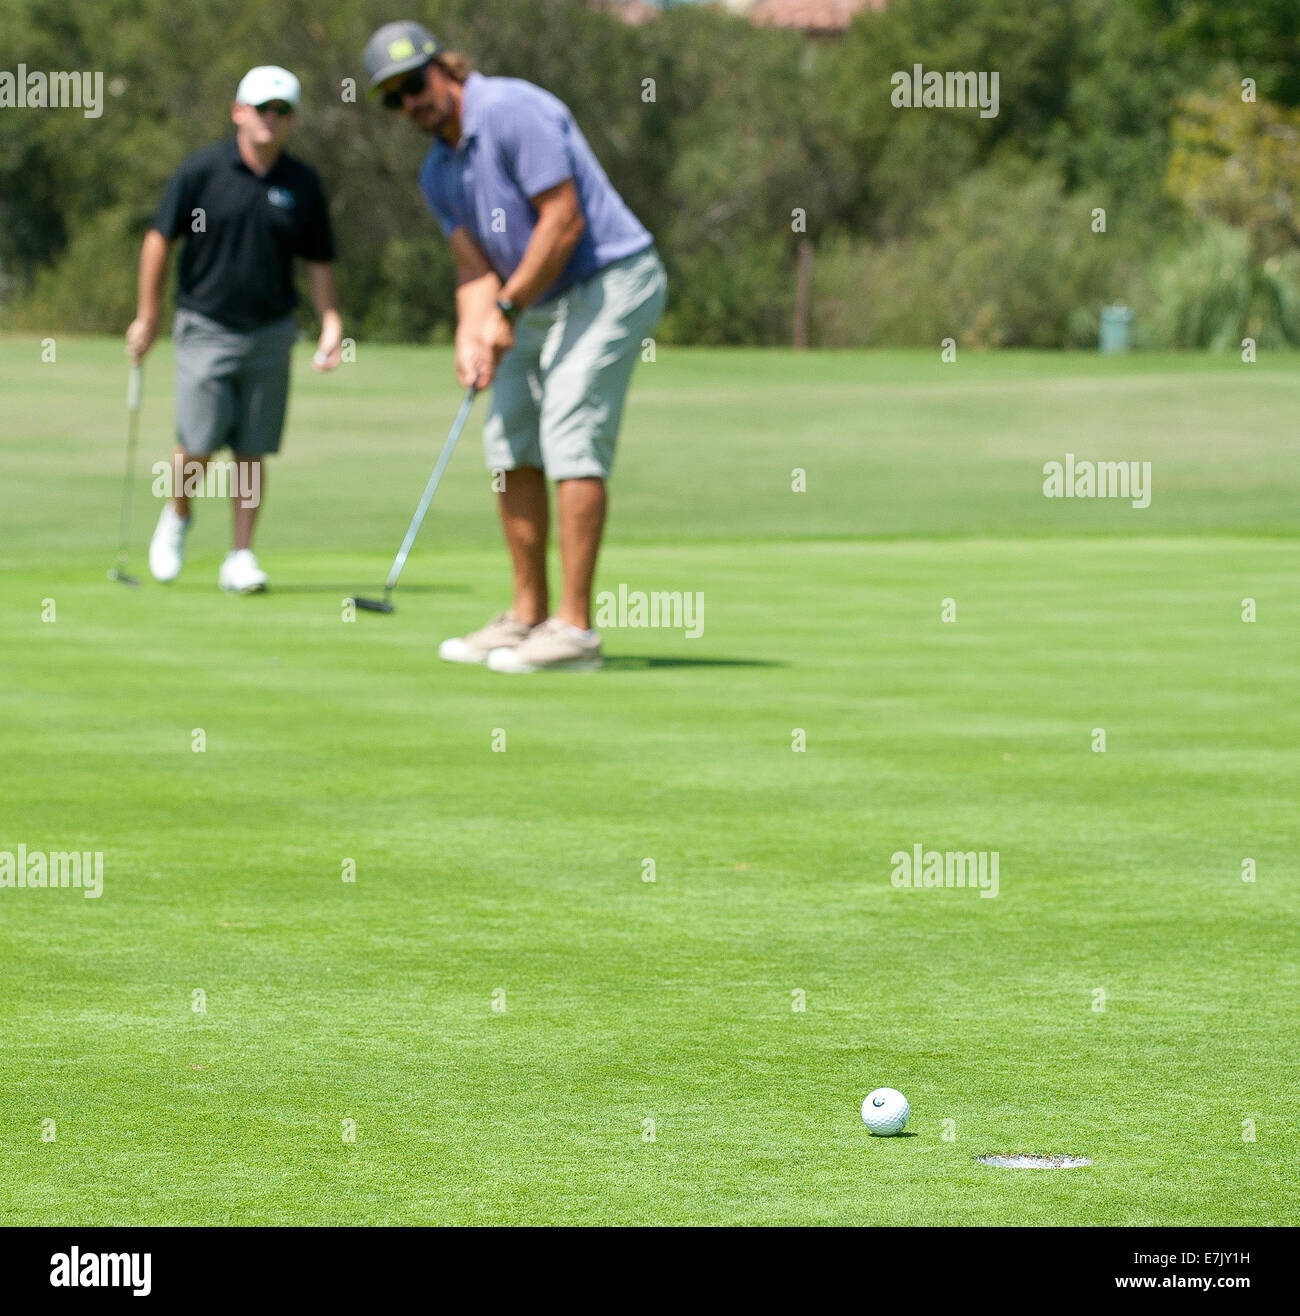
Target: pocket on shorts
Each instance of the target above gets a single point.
(646, 289)
(191, 324)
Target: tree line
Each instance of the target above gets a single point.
(1143, 151)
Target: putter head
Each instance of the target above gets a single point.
(371, 605)
(117, 574)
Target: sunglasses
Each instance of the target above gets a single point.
(411, 85)
(282, 108)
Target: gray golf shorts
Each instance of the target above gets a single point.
(232, 385)
(557, 400)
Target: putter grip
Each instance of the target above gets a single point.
(134, 388)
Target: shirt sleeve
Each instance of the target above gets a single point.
(172, 218)
(435, 198)
(534, 142)
(316, 240)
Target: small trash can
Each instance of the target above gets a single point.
(1116, 329)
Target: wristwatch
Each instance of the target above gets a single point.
(508, 309)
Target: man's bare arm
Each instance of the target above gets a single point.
(149, 285)
(483, 335)
(324, 297)
(560, 224)
(477, 290)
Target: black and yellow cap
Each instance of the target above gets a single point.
(398, 48)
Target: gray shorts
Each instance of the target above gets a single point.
(557, 400)
(232, 385)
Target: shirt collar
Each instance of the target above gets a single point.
(470, 109)
(237, 160)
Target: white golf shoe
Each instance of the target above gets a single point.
(240, 573)
(554, 646)
(167, 547)
(502, 632)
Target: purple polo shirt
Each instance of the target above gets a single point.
(516, 141)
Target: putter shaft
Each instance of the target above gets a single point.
(430, 489)
(134, 392)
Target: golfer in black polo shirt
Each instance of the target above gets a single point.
(245, 209)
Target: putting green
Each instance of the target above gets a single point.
(500, 1019)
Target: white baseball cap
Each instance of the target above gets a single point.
(268, 82)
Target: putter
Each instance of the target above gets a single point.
(385, 604)
(134, 389)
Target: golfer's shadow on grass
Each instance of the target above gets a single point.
(630, 663)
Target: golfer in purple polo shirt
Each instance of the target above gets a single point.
(558, 284)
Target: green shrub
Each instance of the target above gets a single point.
(1213, 293)
(92, 288)
(1006, 259)
(410, 292)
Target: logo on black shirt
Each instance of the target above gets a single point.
(280, 196)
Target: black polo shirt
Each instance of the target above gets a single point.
(237, 260)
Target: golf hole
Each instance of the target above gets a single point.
(1035, 1162)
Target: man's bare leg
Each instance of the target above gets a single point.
(249, 476)
(183, 466)
(525, 519)
(580, 507)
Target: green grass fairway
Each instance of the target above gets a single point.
(514, 877)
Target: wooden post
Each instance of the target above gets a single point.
(803, 293)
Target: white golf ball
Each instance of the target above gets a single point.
(885, 1112)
